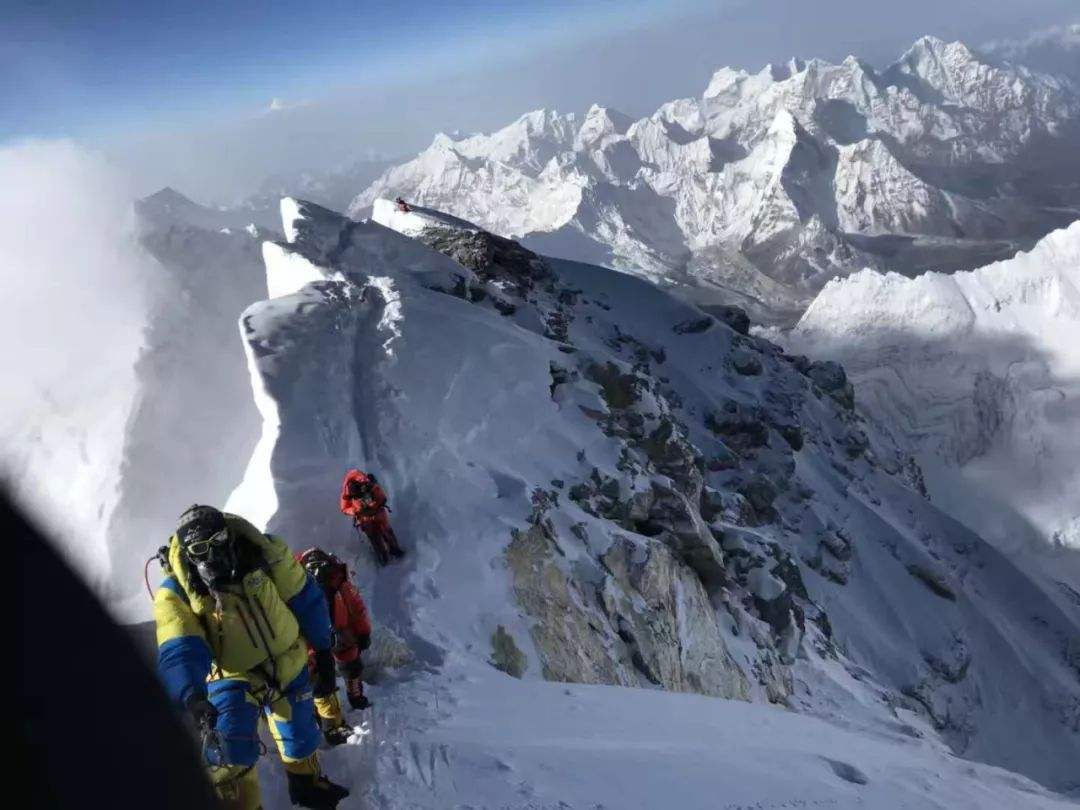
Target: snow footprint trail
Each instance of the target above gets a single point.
(393, 758)
(322, 357)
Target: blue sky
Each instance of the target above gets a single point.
(69, 68)
(178, 93)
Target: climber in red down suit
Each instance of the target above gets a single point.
(364, 501)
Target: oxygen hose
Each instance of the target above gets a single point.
(146, 576)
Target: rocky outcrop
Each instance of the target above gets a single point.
(505, 654)
(663, 614)
(831, 379)
(573, 638)
(490, 257)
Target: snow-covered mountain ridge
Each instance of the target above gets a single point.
(978, 374)
(601, 484)
(771, 183)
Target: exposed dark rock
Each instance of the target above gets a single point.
(772, 599)
(951, 670)
(559, 375)
(505, 655)
(674, 456)
(932, 580)
(663, 616)
(722, 460)
(800, 362)
(787, 570)
(569, 635)
(460, 289)
(557, 325)
(837, 544)
(855, 443)
(688, 536)
(831, 378)
(619, 389)
(792, 434)
(693, 326)
(746, 363)
(740, 426)
(568, 297)
(733, 316)
(491, 257)
(712, 503)
(760, 491)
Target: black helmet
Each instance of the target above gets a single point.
(207, 544)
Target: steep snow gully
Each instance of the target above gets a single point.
(601, 486)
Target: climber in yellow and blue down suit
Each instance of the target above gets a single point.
(235, 615)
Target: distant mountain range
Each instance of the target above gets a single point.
(771, 183)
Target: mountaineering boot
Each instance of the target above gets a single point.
(239, 790)
(338, 735)
(395, 549)
(354, 690)
(309, 788)
(378, 545)
(332, 720)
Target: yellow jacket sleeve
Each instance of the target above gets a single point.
(183, 652)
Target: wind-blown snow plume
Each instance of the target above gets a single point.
(72, 278)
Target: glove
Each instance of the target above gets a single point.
(202, 710)
(325, 680)
(364, 641)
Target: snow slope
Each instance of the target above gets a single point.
(978, 374)
(599, 484)
(771, 183)
(490, 741)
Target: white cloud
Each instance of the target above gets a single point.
(73, 310)
(70, 269)
(1064, 36)
(1054, 50)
